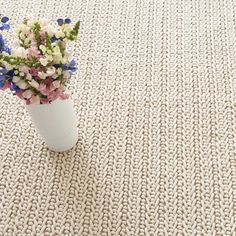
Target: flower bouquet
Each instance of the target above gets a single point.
(37, 70)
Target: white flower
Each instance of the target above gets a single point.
(49, 58)
(60, 34)
(51, 71)
(20, 52)
(27, 41)
(27, 94)
(43, 61)
(31, 36)
(23, 28)
(8, 66)
(26, 30)
(22, 35)
(43, 48)
(31, 21)
(59, 71)
(42, 75)
(66, 74)
(24, 69)
(22, 84)
(16, 79)
(48, 51)
(22, 74)
(50, 31)
(34, 83)
(56, 83)
(68, 56)
(68, 34)
(29, 77)
(54, 45)
(56, 49)
(57, 58)
(43, 22)
(64, 61)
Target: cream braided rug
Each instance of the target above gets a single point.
(156, 102)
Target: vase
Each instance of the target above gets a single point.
(56, 123)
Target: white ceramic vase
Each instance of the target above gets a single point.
(56, 123)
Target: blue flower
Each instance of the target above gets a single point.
(60, 21)
(4, 19)
(57, 66)
(15, 88)
(3, 45)
(10, 73)
(71, 67)
(53, 39)
(4, 26)
(3, 75)
(2, 83)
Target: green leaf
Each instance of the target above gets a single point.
(48, 41)
(62, 50)
(15, 61)
(75, 31)
(36, 29)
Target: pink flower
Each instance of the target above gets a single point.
(33, 71)
(52, 87)
(45, 100)
(42, 87)
(27, 102)
(35, 100)
(33, 52)
(64, 96)
(6, 86)
(19, 95)
(48, 81)
(20, 52)
(45, 90)
(53, 95)
(24, 69)
(43, 36)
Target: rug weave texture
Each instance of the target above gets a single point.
(155, 97)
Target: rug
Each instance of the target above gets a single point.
(155, 97)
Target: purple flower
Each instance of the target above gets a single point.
(67, 20)
(71, 67)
